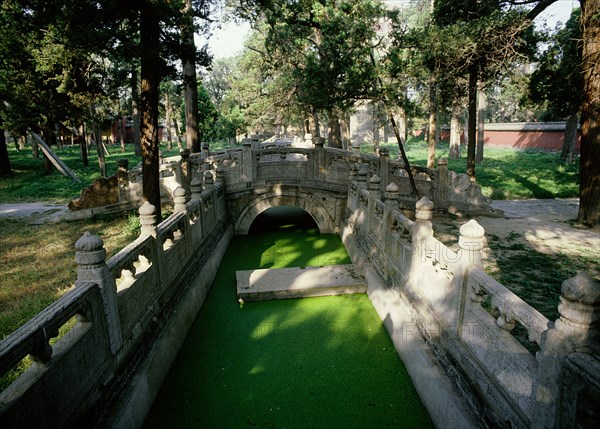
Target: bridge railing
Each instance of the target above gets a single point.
(115, 314)
(486, 337)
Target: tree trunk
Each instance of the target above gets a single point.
(403, 124)
(83, 146)
(472, 125)
(589, 170)
(432, 123)
(177, 133)
(570, 139)
(376, 137)
(313, 124)
(22, 142)
(4, 159)
(150, 77)
(135, 113)
(189, 80)
(168, 121)
(98, 140)
(335, 134)
(481, 106)
(99, 149)
(122, 133)
(454, 149)
(346, 131)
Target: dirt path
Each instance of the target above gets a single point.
(546, 224)
(533, 249)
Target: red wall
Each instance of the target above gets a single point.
(545, 140)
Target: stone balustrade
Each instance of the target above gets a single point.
(430, 294)
(315, 167)
(477, 353)
(119, 320)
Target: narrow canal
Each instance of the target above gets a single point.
(302, 363)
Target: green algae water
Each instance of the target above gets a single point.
(322, 362)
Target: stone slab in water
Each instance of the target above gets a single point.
(282, 283)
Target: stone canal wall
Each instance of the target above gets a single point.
(478, 355)
(467, 341)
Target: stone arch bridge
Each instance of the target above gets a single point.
(450, 322)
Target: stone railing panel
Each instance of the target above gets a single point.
(73, 361)
(135, 270)
(171, 237)
(194, 212)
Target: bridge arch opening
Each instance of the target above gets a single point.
(308, 203)
(283, 218)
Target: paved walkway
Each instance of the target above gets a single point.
(25, 210)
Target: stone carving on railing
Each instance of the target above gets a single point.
(472, 314)
(119, 306)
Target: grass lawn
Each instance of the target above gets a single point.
(37, 265)
(505, 174)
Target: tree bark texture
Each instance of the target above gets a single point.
(432, 123)
(346, 131)
(5, 169)
(472, 125)
(589, 169)
(570, 139)
(313, 124)
(454, 149)
(376, 126)
(150, 81)
(189, 80)
(481, 106)
(135, 112)
(122, 128)
(99, 149)
(83, 152)
(335, 133)
(168, 121)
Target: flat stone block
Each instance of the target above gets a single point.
(282, 283)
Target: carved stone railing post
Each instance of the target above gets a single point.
(384, 166)
(362, 179)
(179, 200)
(423, 228)
(353, 194)
(422, 231)
(204, 150)
(147, 219)
(471, 242)
(196, 188)
(90, 257)
(319, 158)
(392, 191)
(356, 148)
(247, 162)
(186, 169)
(220, 173)
(374, 194)
(122, 179)
(577, 329)
(441, 184)
(209, 182)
